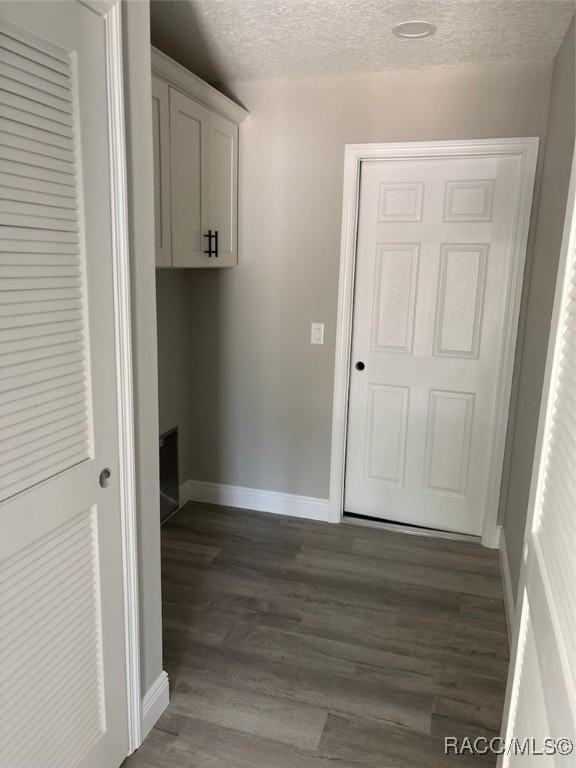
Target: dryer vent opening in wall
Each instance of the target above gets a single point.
(169, 483)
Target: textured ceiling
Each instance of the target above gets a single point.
(223, 40)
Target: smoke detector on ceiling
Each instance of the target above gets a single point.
(412, 30)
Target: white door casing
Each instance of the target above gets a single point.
(161, 150)
(69, 667)
(440, 231)
(541, 694)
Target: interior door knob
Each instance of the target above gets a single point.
(104, 478)
(360, 365)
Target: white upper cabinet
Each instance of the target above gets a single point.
(222, 185)
(195, 169)
(188, 144)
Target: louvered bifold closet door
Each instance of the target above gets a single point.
(43, 389)
(555, 524)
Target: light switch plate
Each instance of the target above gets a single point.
(317, 333)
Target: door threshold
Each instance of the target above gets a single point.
(411, 530)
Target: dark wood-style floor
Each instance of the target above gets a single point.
(294, 644)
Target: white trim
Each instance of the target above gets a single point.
(177, 75)
(354, 155)
(154, 703)
(100, 7)
(507, 590)
(123, 344)
(256, 499)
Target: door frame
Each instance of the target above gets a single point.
(111, 13)
(354, 156)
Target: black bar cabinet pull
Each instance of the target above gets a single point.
(210, 235)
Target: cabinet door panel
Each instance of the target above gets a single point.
(161, 139)
(189, 123)
(221, 183)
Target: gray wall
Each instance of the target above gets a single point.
(137, 82)
(254, 399)
(531, 357)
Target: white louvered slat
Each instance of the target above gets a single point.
(36, 332)
(36, 109)
(8, 164)
(45, 139)
(21, 393)
(34, 307)
(14, 246)
(17, 192)
(43, 394)
(49, 677)
(28, 67)
(32, 90)
(36, 259)
(18, 638)
(84, 719)
(25, 429)
(37, 222)
(22, 404)
(36, 145)
(57, 192)
(41, 581)
(35, 160)
(556, 515)
(22, 208)
(39, 353)
(43, 283)
(50, 429)
(53, 440)
(20, 117)
(22, 322)
(31, 297)
(34, 80)
(50, 57)
(26, 270)
(39, 342)
(44, 236)
(22, 638)
(50, 644)
(53, 405)
(79, 649)
(9, 376)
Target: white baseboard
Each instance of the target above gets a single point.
(509, 601)
(255, 498)
(154, 703)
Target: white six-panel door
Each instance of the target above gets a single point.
(63, 694)
(435, 258)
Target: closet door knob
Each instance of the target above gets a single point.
(104, 478)
(360, 365)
